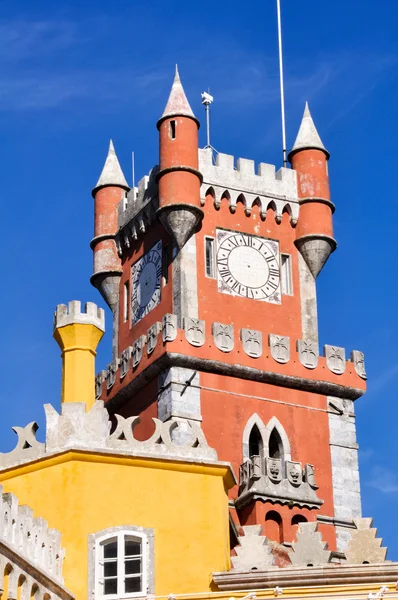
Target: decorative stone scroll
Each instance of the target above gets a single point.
(253, 551)
(194, 331)
(308, 353)
(27, 448)
(138, 348)
(280, 348)
(152, 336)
(358, 359)
(99, 380)
(335, 359)
(169, 328)
(111, 371)
(223, 336)
(124, 362)
(252, 342)
(309, 550)
(364, 547)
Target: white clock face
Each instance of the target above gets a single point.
(146, 279)
(248, 266)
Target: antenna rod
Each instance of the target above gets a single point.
(206, 101)
(133, 169)
(278, 7)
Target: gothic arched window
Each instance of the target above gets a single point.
(275, 445)
(255, 442)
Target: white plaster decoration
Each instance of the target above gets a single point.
(294, 473)
(309, 550)
(96, 541)
(358, 359)
(194, 331)
(67, 315)
(111, 371)
(99, 380)
(31, 547)
(280, 348)
(252, 342)
(253, 551)
(138, 347)
(152, 336)
(363, 546)
(27, 448)
(124, 362)
(223, 336)
(75, 427)
(179, 394)
(169, 328)
(308, 353)
(335, 359)
(242, 182)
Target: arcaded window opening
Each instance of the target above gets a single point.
(255, 442)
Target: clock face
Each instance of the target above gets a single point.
(146, 279)
(248, 266)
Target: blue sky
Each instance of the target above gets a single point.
(73, 74)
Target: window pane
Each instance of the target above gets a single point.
(132, 548)
(110, 550)
(110, 569)
(209, 250)
(132, 584)
(133, 566)
(110, 586)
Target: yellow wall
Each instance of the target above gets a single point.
(82, 493)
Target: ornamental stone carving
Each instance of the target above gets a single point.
(223, 336)
(294, 472)
(138, 347)
(274, 469)
(152, 336)
(124, 362)
(309, 549)
(358, 359)
(252, 342)
(309, 476)
(308, 353)
(27, 448)
(335, 359)
(280, 348)
(169, 327)
(111, 374)
(99, 380)
(253, 551)
(194, 331)
(364, 546)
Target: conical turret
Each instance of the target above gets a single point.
(108, 192)
(179, 179)
(314, 232)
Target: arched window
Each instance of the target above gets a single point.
(273, 526)
(122, 558)
(275, 445)
(255, 442)
(296, 519)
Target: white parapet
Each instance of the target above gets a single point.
(67, 315)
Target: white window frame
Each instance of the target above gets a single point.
(290, 274)
(96, 544)
(213, 262)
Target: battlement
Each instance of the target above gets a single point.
(30, 536)
(266, 189)
(68, 315)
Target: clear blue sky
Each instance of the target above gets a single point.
(73, 74)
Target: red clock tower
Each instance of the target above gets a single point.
(210, 268)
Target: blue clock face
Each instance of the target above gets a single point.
(146, 282)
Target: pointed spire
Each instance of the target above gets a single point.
(177, 104)
(112, 173)
(308, 136)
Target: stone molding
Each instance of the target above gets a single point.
(329, 574)
(266, 189)
(29, 537)
(74, 428)
(277, 480)
(225, 337)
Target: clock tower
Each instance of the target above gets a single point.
(210, 267)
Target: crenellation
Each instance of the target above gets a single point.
(68, 315)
